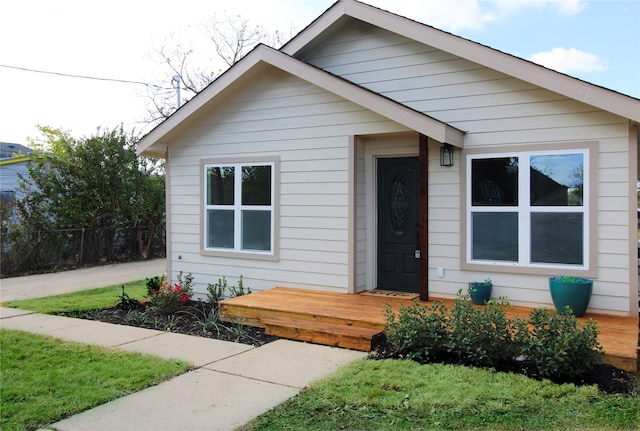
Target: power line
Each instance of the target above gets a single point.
(69, 75)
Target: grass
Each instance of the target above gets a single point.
(93, 299)
(404, 395)
(44, 380)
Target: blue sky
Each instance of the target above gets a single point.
(597, 41)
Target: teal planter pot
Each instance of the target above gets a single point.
(571, 291)
(480, 291)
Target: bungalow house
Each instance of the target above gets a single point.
(375, 152)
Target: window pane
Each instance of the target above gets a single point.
(220, 185)
(557, 238)
(256, 185)
(220, 228)
(495, 236)
(557, 180)
(256, 230)
(494, 181)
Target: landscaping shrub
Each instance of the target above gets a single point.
(216, 290)
(168, 298)
(153, 283)
(484, 336)
(418, 332)
(559, 346)
(220, 290)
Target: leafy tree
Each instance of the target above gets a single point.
(96, 183)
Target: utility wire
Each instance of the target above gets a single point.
(123, 81)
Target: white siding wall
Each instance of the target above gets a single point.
(308, 129)
(495, 110)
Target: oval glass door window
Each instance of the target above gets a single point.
(399, 205)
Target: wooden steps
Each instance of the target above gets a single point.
(318, 332)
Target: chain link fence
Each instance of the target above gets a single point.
(29, 252)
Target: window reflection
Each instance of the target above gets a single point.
(221, 184)
(495, 181)
(557, 180)
(256, 185)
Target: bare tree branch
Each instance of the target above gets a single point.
(225, 39)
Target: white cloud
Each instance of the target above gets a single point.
(569, 60)
(562, 7)
(567, 7)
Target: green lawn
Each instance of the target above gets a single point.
(404, 395)
(43, 380)
(93, 299)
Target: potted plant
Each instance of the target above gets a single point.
(569, 291)
(480, 291)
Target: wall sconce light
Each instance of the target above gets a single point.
(446, 155)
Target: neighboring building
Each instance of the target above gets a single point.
(324, 165)
(13, 162)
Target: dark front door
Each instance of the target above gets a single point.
(398, 259)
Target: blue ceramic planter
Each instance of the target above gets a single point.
(480, 292)
(575, 293)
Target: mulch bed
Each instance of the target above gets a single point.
(191, 319)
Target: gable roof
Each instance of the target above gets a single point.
(155, 142)
(343, 10)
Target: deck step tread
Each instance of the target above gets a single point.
(334, 328)
(331, 334)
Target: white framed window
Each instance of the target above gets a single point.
(529, 209)
(239, 207)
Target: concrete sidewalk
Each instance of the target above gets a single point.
(41, 285)
(231, 384)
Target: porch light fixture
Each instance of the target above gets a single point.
(446, 155)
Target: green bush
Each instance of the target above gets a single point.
(485, 336)
(166, 298)
(559, 346)
(216, 292)
(418, 332)
(239, 290)
(153, 283)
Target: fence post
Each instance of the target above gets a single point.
(82, 247)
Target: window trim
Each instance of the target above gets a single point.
(589, 269)
(272, 255)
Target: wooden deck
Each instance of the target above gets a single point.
(355, 321)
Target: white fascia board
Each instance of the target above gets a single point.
(599, 97)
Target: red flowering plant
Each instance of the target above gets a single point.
(167, 298)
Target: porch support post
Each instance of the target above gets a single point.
(423, 218)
